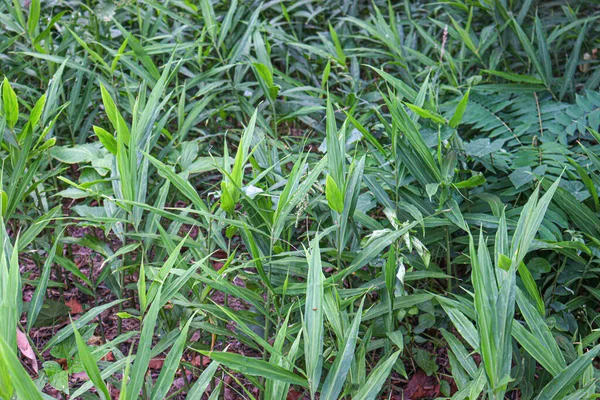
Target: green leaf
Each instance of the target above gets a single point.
(208, 14)
(460, 110)
(10, 287)
(22, 383)
(504, 262)
(266, 77)
(531, 287)
(40, 290)
(4, 199)
(36, 112)
(558, 387)
(541, 333)
(426, 361)
(376, 379)
(511, 76)
(203, 381)
(11, 105)
(341, 57)
(335, 146)
(426, 114)
(464, 36)
(472, 182)
(167, 372)
(254, 367)
(526, 43)
(34, 16)
(235, 180)
(574, 58)
(542, 43)
(265, 73)
(227, 22)
(333, 195)
(313, 318)
(325, 77)
(337, 374)
(181, 184)
(58, 378)
(404, 89)
(89, 364)
(142, 358)
(115, 116)
(107, 140)
(67, 331)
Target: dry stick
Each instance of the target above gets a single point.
(537, 103)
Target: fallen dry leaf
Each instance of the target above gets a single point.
(196, 361)
(421, 386)
(156, 363)
(82, 376)
(63, 363)
(115, 392)
(294, 395)
(26, 350)
(95, 341)
(75, 306)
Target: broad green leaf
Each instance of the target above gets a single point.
(108, 140)
(115, 116)
(11, 104)
(333, 195)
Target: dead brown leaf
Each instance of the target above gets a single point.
(421, 386)
(196, 361)
(82, 376)
(63, 363)
(26, 350)
(294, 395)
(75, 306)
(156, 363)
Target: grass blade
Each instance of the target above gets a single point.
(253, 367)
(142, 358)
(22, 383)
(563, 382)
(89, 364)
(376, 379)
(313, 318)
(337, 374)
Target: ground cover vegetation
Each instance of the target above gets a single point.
(314, 199)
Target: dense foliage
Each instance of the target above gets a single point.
(299, 199)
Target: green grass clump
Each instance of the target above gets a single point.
(317, 199)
